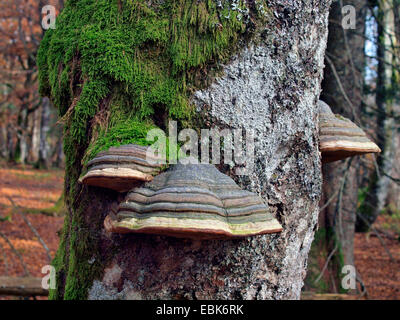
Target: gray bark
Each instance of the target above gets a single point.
(11, 133)
(23, 135)
(271, 87)
(60, 157)
(3, 141)
(393, 198)
(386, 124)
(35, 142)
(44, 130)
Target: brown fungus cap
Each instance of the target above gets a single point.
(121, 168)
(193, 201)
(340, 138)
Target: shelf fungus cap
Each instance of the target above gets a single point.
(122, 168)
(193, 201)
(341, 138)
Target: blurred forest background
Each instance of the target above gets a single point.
(360, 208)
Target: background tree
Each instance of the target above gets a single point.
(387, 106)
(343, 90)
(113, 68)
(20, 104)
(360, 83)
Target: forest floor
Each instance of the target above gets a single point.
(377, 258)
(34, 193)
(28, 191)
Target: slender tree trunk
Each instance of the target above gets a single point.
(270, 86)
(11, 147)
(393, 198)
(44, 131)
(3, 141)
(27, 107)
(60, 157)
(23, 134)
(35, 143)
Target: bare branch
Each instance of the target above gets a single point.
(31, 227)
(326, 264)
(26, 271)
(333, 68)
(4, 259)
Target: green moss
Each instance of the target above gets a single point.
(59, 263)
(92, 93)
(83, 262)
(151, 51)
(78, 258)
(129, 131)
(340, 117)
(117, 68)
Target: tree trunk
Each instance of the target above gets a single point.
(269, 83)
(44, 130)
(11, 134)
(3, 141)
(60, 157)
(393, 198)
(35, 143)
(342, 89)
(385, 126)
(23, 134)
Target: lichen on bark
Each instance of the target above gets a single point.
(114, 68)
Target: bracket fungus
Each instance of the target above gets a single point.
(341, 138)
(193, 201)
(122, 168)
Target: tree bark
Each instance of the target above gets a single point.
(35, 141)
(3, 141)
(271, 87)
(393, 199)
(43, 161)
(60, 157)
(11, 134)
(23, 134)
(385, 124)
